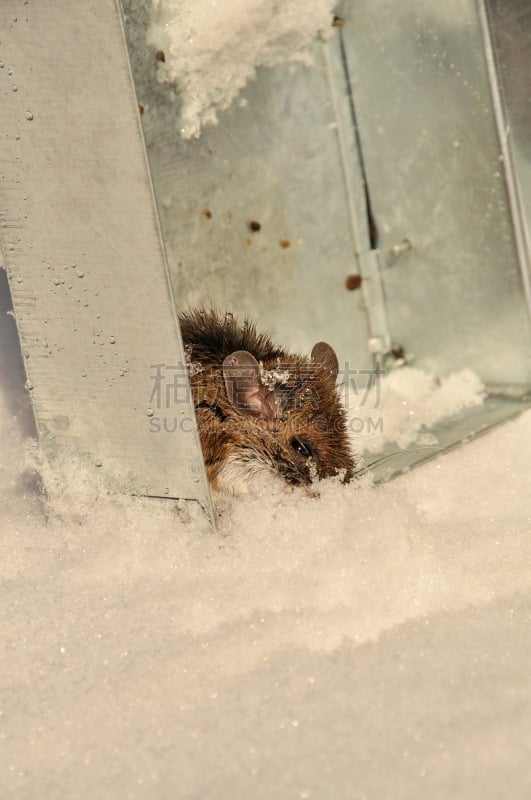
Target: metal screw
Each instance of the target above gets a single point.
(397, 250)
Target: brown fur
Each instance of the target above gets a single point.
(298, 428)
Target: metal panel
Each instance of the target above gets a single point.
(278, 158)
(436, 177)
(83, 252)
(288, 157)
(507, 38)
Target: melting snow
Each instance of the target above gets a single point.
(212, 48)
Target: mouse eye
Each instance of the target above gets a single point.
(303, 447)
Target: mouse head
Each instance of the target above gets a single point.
(283, 416)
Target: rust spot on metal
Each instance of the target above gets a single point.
(352, 282)
(397, 351)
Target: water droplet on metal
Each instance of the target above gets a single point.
(80, 274)
(149, 412)
(98, 463)
(29, 116)
(112, 340)
(29, 386)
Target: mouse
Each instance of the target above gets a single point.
(260, 409)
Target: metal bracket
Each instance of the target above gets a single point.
(84, 255)
(379, 342)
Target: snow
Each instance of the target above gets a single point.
(399, 405)
(371, 642)
(212, 49)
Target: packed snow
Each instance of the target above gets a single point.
(400, 405)
(209, 50)
(370, 642)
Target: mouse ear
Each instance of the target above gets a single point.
(325, 356)
(245, 390)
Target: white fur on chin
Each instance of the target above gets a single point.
(240, 473)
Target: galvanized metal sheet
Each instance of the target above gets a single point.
(507, 40)
(284, 156)
(81, 243)
(436, 177)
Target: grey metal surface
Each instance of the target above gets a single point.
(432, 157)
(507, 40)
(287, 157)
(278, 158)
(12, 376)
(82, 249)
